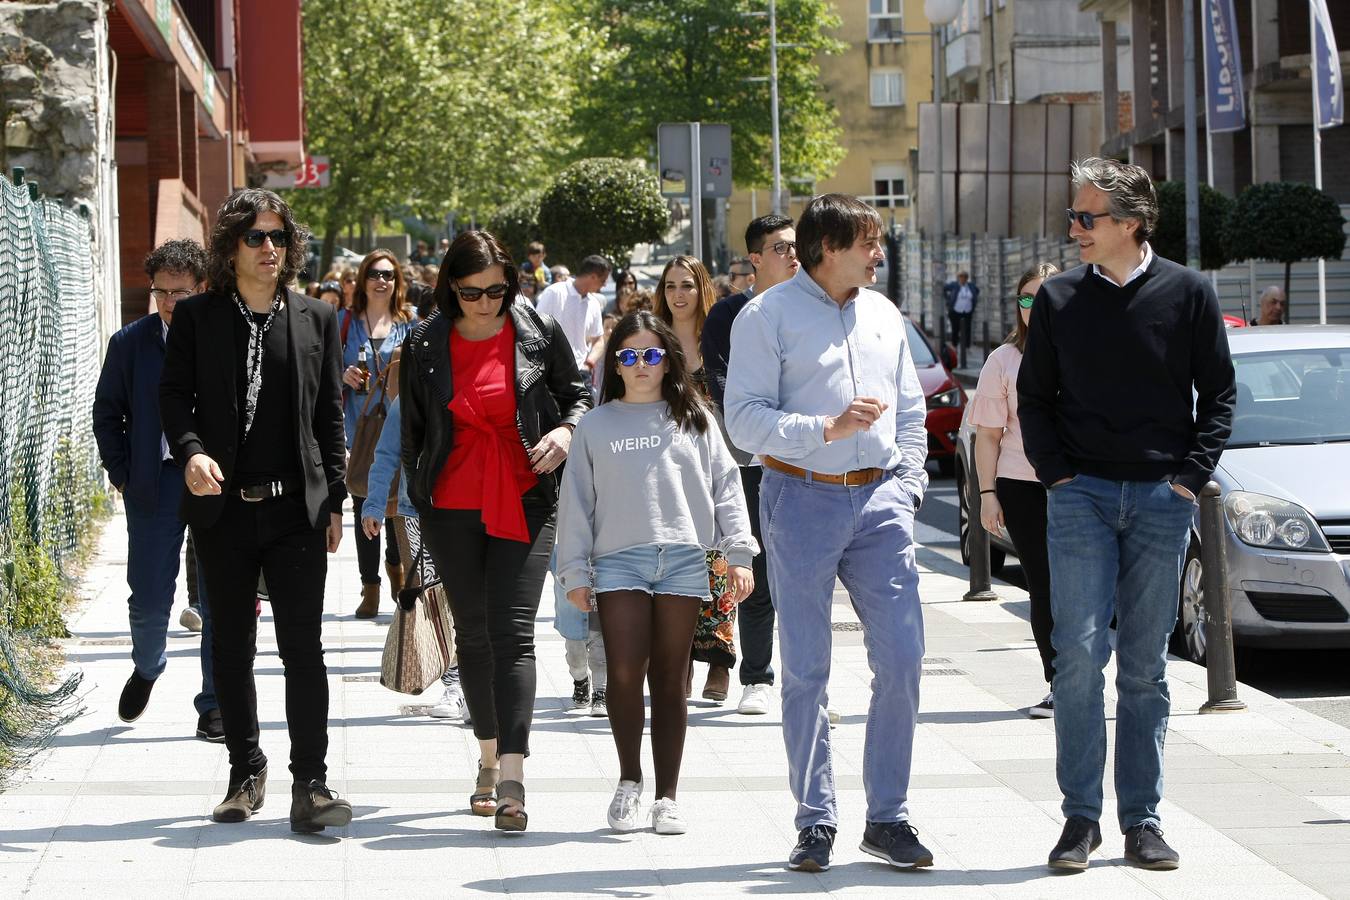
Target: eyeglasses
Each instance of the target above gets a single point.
(1025, 301)
(330, 286)
(782, 247)
(742, 273)
(160, 294)
(473, 295)
(628, 357)
(380, 274)
(1086, 219)
(254, 237)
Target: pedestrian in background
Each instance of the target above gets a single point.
(961, 296)
(134, 451)
(649, 488)
(1271, 307)
(490, 393)
(534, 267)
(625, 290)
(251, 403)
(1010, 495)
(1125, 396)
(330, 292)
(838, 498)
(376, 325)
(742, 273)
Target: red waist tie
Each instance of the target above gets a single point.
(503, 512)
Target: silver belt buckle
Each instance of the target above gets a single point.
(243, 495)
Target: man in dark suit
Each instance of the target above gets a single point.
(132, 447)
(252, 407)
(961, 296)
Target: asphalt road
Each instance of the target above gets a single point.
(1315, 680)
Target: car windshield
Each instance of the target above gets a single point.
(1292, 397)
(918, 347)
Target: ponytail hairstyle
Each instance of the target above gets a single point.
(686, 403)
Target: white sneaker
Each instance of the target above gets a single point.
(666, 817)
(191, 619)
(754, 700)
(625, 810)
(451, 704)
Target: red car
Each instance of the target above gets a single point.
(945, 396)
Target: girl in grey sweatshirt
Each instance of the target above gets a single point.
(649, 488)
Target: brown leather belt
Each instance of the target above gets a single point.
(856, 478)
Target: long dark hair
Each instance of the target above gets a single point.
(707, 293)
(686, 404)
(471, 253)
(237, 215)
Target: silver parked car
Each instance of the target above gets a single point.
(1285, 482)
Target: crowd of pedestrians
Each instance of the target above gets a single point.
(687, 462)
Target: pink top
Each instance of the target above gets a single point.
(995, 406)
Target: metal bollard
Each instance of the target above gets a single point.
(986, 338)
(981, 584)
(1220, 667)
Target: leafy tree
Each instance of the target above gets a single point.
(420, 115)
(602, 206)
(1286, 222)
(691, 60)
(517, 223)
(1169, 238)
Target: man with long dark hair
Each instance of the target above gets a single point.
(252, 409)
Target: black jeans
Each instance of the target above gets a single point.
(960, 322)
(493, 585)
(368, 549)
(1023, 505)
(276, 538)
(756, 611)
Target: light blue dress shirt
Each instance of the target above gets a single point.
(798, 358)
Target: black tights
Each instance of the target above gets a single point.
(648, 638)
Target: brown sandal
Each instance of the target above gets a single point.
(485, 792)
(511, 815)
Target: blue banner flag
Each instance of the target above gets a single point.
(1223, 68)
(1326, 69)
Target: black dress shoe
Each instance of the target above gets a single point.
(135, 695)
(314, 807)
(1145, 848)
(812, 853)
(210, 728)
(1080, 837)
(897, 843)
(242, 799)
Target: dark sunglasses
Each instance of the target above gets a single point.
(473, 295)
(254, 237)
(380, 274)
(629, 357)
(1086, 219)
(1025, 301)
(330, 286)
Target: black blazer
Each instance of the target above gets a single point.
(199, 405)
(126, 411)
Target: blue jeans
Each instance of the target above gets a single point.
(864, 536)
(1115, 549)
(154, 542)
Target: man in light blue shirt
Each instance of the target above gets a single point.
(821, 385)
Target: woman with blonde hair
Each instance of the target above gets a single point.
(1010, 496)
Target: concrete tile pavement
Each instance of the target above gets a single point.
(1257, 802)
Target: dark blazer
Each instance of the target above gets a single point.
(199, 404)
(952, 288)
(126, 411)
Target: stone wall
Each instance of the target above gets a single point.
(48, 95)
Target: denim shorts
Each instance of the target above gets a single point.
(654, 569)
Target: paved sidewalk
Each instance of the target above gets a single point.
(1257, 803)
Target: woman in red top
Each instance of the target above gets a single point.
(490, 393)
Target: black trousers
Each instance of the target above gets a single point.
(368, 549)
(756, 611)
(960, 328)
(493, 585)
(273, 537)
(1023, 505)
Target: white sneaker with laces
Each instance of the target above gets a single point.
(450, 705)
(666, 818)
(190, 619)
(755, 700)
(625, 810)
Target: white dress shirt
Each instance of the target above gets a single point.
(579, 315)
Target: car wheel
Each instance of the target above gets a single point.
(996, 556)
(1188, 640)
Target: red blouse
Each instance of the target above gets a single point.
(487, 468)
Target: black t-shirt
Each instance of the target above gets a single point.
(269, 452)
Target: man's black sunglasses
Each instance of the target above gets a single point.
(1086, 219)
(254, 237)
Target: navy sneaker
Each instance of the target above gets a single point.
(812, 853)
(896, 843)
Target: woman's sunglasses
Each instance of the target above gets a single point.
(254, 237)
(629, 357)
(1025, 301)
(380, 274)
(473, 295)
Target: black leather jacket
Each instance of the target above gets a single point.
(549, 393)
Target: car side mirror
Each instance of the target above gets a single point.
(948, 356)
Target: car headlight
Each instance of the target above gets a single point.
(1272, 523)
(945, 399)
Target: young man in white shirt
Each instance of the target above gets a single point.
(578, 306)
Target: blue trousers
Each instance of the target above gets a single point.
(154, 544)
(1115, 549)
(864, 536)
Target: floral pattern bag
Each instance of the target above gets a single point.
(715, 633)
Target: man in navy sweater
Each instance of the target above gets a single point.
(132, 448)
(1117, 349)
